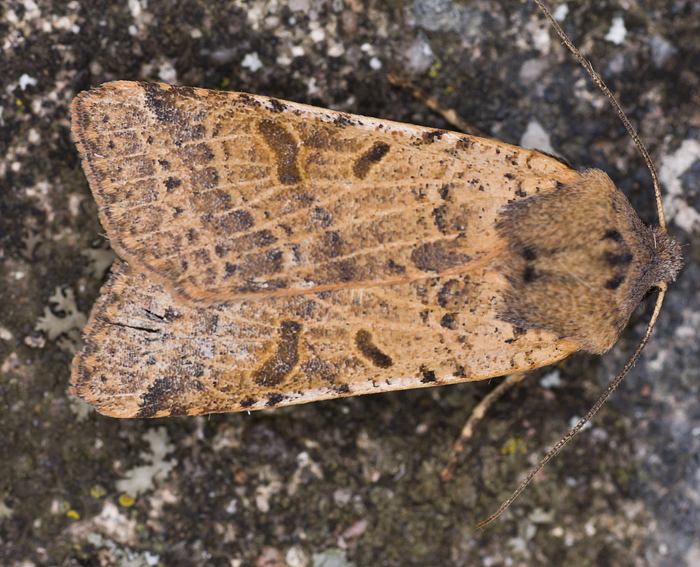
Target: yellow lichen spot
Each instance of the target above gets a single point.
(97, 491)
(73, 514)
(434, 70)
(225, 82)
(126, 501)
(513, 446)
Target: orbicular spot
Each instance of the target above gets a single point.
(369, 158)
(364, 343)
(285, 148)
(285, 358)
(438, 256)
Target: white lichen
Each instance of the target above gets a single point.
(551, 380)
(142, 478)
(64, 318)
(617, 32)
(673, 166)
(26, 81)
(99, 260)
(560, 12)
(80, 409)
(536, 138)
(251, 61)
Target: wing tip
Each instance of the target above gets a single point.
(83, 386)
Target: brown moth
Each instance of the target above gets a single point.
(273, 253)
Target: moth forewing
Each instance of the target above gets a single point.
(278, 253)
(150, 354)
(220, 195)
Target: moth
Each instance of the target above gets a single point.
(272, 253)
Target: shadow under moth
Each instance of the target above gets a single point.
(272, 253)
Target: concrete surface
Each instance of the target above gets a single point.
(350, 482)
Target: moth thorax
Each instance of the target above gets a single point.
(581, 260)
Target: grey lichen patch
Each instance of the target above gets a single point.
(62, 321)
(156, 467)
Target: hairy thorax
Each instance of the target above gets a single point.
(581, 261)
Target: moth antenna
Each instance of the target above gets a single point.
(586, 418)
(600, 83)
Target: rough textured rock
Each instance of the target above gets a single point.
(352, 481)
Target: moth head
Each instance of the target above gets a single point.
(668, 258)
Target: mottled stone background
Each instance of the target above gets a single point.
(349, 482)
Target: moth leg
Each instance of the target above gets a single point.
(449, 114)
(476, 416)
